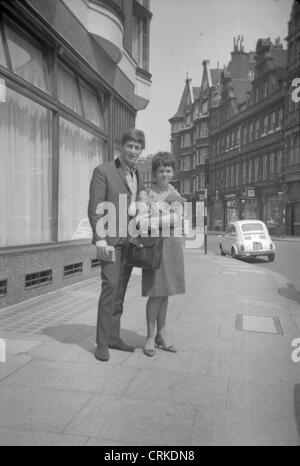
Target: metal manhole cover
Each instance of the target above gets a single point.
(259, 324)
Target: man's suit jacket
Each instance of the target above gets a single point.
(107, 183)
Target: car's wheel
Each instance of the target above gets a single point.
(221, 250)
(234, 254)
(271, 257)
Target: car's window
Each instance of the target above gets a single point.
(233, 230)
(252, 227)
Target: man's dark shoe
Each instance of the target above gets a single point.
(120, 345)
(102, 353)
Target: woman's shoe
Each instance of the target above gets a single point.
(160, 343)
(149, 352)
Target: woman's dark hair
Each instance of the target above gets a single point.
(162, 159)
(134, 135)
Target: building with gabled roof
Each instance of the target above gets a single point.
(246, 145)
(291, 173)
(189, 132)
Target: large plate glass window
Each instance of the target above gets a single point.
(26, 173)
(80, 153)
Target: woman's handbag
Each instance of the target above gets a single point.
(145, 252)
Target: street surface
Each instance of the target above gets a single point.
(232, 382)
(287, 260)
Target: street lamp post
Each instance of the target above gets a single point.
(205, 202)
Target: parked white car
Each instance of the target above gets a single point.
(247, 238)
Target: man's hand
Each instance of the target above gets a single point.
(104, 252)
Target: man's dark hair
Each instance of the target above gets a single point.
(162, 159)
(134, 135)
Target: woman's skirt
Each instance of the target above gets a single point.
(169, 279)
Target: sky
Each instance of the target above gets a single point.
(183, 34)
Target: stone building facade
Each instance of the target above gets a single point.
(73, 75)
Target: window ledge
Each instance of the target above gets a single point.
(11, 250)
(143, 73)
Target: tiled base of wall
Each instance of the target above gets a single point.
(25, 275)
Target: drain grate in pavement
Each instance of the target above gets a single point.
(258, 324)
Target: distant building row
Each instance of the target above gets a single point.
(245, 123)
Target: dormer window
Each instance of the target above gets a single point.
(204, 107)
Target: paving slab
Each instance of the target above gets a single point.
(183, 361)
(268, 402)
(42, 410)
(239, 428)
(125, 420)
(179, 388)
(64, 375)
(12, 364)
(12, 437)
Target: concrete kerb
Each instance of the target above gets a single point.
(274, 238)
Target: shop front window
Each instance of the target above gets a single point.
(27, 60)
(26, 174)
(232, 211)
(250, 209)
(92, 107)
(68, 90)
(273, 214)
(80, 153)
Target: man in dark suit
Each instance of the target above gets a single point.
(111, 182)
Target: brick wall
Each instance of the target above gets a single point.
(14, 267)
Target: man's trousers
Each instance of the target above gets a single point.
(115, 277)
